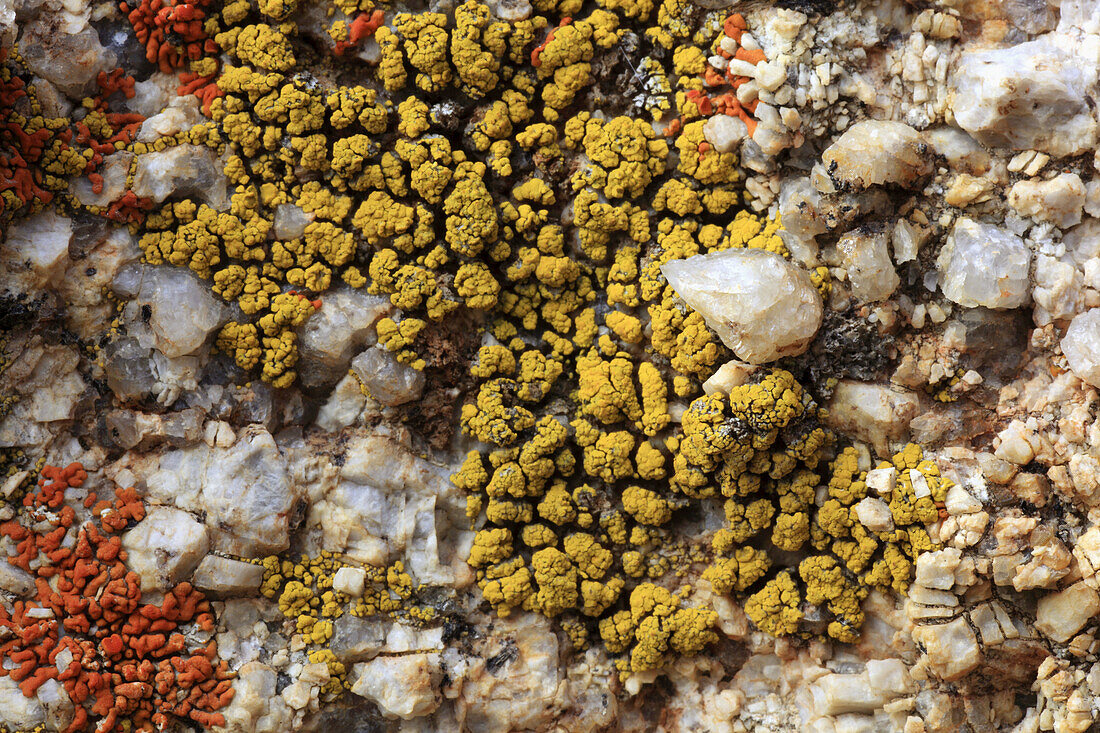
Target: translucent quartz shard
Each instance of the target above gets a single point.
(760, 305)
(1081, 345)
(874, 152)
(982, 264)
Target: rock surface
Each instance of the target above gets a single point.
(760, 305)
(1029, 96)
(1081, 345)
(874, 153)
(982, 264)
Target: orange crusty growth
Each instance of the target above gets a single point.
(126, 665)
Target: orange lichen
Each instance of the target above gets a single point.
(128, 663)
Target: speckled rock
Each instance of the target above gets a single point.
(762, 306)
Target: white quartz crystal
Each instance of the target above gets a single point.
(1028, 96)
(982, 264)
(874, 514)
(179, 309)
(183, 170)
(1058, 200)
(1081, 345)
(224, 576)
(334, 334)
(762, 306)
(875, 152)
(1061, 615)
(872, 412)
(165, 547)
(866, 256)
(402, 686)
(388, 380)
(350, 581)
(724, 132)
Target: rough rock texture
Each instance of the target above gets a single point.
(65, 52)
(402, 687)
(878, 414)
(865, 256)
(760, 305)
(243, 490)
(982, 264)
(1029, 96)
(1081, 345)
(178, 309)
(872, 153)
(335, 333)
(165, 547)
(184, 170)
(386, 379)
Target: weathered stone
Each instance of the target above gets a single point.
(762, 306)
(356, 639)
(113, 172)
(952, 648)
(882, 480)
(17, 711)
(982, 264)
(224, 577)
(865, 254)
(874, 514)
(1081, 345)
(834, 694)
(181, 114)
(937, 569)
(165, 547)
(69, 58)
(1029, 96)
(334, 334)
(1058, 200)
(521, 689)
(724, 132)
(256, 706)
(875, 413)
(35, 253)
(349, 580)
(1061, 615)
(876, 152)
(731, 374)
(182, 170)
(387, 380)
(179, 309)
(403, 687)
(243, 490)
